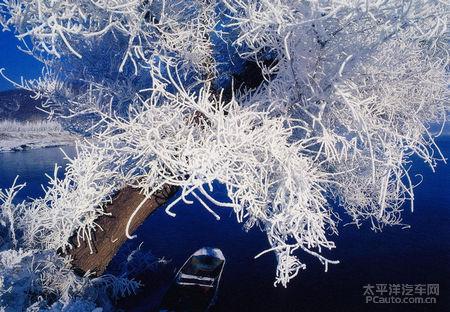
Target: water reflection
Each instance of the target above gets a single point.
(31, 167)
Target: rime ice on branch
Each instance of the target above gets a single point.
(350, 90)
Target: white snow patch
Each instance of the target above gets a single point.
(17, 136)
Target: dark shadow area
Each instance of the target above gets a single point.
(415, 256)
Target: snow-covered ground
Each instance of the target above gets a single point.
(17, 136)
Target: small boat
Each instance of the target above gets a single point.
(196, 284)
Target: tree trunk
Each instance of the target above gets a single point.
(106, 243)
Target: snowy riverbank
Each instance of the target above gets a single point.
(17, 136)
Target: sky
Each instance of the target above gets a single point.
(16, 63)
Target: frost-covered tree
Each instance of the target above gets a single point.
(349, 91)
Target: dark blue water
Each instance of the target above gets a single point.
(418, 255)
(31, 167)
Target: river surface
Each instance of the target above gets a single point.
(418, 255)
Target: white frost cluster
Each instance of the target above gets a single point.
(36, 280)
(72, 204)
(365, 79)
(350, 90)
(191, 141)
(40, 279)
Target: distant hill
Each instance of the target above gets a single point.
(18, 105)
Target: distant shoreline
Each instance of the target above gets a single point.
(19, 136)
(27, 147)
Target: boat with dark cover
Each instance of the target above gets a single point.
(196, 284)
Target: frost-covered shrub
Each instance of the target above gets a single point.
(42, 280)
(28, 275)
(36, 280)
